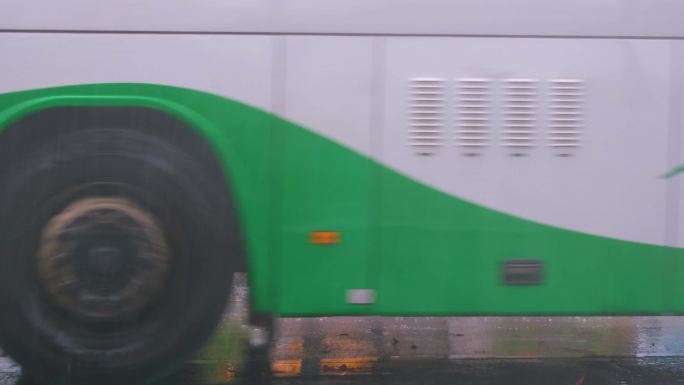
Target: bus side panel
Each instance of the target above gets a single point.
(324, 186)
(675, 268)
(576, 189)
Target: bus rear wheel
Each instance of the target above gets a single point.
(115, 260)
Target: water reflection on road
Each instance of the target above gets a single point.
(466, 350)
(351, 345)
(471, 350)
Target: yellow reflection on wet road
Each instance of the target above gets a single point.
(286, 368)
(345, 366)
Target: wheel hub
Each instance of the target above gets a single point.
(102, 258)
(105, 259)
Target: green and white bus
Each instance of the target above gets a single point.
(405, 157)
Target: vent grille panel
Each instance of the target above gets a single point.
(473, 109)
(426, 114)
(473, 114)
(519, 115)
(566, 103)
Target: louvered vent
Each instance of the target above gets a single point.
(565, 115)
(519, 115)
(426, 115)
(473, 107)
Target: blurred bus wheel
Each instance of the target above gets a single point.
(115, 258)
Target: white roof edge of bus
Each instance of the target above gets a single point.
(563, 18)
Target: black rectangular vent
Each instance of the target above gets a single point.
(524, 272)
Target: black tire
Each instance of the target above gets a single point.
(196, 217)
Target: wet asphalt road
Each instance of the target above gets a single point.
(483, 350)
(513, 372)
(576, 371)
(494, 350)
(463, 350)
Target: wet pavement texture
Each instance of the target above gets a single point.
(587, 371)
(387, 338)
(460, 350)
(481, 350)
(594, 371)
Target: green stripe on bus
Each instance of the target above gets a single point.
(421, 250)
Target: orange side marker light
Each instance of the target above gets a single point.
(324, 237)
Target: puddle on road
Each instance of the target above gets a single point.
(646, 348)
(386, 338)
(344, 346)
